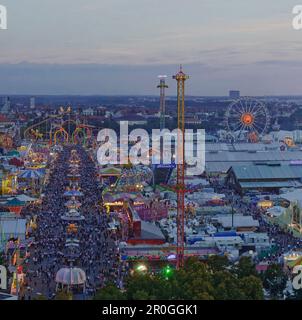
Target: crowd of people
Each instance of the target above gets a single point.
(98, 251)
(283, 240)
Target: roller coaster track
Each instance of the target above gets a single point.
(27, 134)
(28, 150)
(85, 129)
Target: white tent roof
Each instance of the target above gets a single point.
(13, 226)
(276, 211)
(293, 196)
(239, 221)
(25, 198)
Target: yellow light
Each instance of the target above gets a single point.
(117, 203)
(141, 268)
(265, 204)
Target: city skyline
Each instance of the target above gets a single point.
(93, 47)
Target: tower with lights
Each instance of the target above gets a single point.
(181, 78)
(162, 86)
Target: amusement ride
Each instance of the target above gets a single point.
(247, 119)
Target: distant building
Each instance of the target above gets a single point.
(32, 102)
(238, 222)
(133, 120)
(6, 105)
(234, 94)
(220, 157)
(192, 119)
(101, 111)
(269, 178)
(88, 112)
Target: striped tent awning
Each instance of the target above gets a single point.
(30, 174)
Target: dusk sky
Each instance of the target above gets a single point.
(120, 46)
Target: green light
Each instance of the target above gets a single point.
(167, 272)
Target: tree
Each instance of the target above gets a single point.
(194, 282)
(213, 280)
(218, 263)
(110, 292)
(142, 295)
(151, 286)
(252, 288)
(297, 295)
(274, 280)
(245, 268)
(63, 295)
(227, 286)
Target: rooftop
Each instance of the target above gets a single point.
(239, 221)
(265, 172)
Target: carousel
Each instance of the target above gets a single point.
(73, 204)
(31, 179)
(74, 158)
(72, 249)
(73, 174)
(73, 193)
(72, 242)
(74, 166)
(72, 215)
(72, 228)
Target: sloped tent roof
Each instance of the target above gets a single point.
(13, 153)
(276, 211)
(263, 172)
(15, 203)
(294, 263)
(151, 231)
(223, 160)
(293, 196)
(25, 198)
(13, 227)
(42, 171)
(238, 221)
(30, 174)
(270, 184)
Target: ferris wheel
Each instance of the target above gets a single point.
(247, 118)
